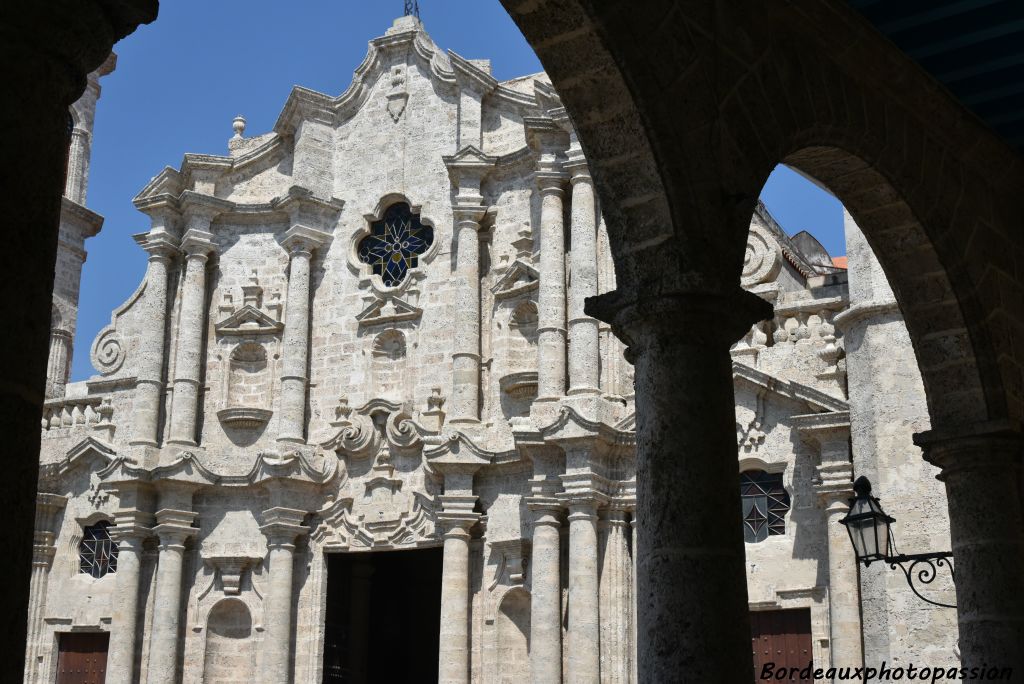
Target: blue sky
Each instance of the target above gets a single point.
(181, 80)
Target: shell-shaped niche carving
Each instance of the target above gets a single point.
(248, 386)
(522, 327)
(387, 362)
(230, 643)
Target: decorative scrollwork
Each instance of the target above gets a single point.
(762, 260)
(926, 573)
(108, 352)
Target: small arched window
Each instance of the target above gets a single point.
(765, 504)
(395, 243)
(97, 552)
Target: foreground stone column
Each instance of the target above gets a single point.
(981, 467)
(197, 245)
(616, 601)
(150, 387)
(36, 653)
(691, 578)
(584, 352)
(295, 344)
(173, 528)
(282, 526)
(546, 592)
(453, 667)
(130, 532)
(584, 657)
(551, 333)
(465, 404)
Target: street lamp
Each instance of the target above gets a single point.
(870, 533)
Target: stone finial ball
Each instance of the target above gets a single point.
(238, 124)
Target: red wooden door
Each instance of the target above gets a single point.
(781, 639)
(82, 658)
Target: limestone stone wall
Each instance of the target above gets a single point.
(263, 400)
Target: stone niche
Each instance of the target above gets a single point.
(249, 342)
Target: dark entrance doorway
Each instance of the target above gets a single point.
(82, 658)
(383, 617)
(781, 638)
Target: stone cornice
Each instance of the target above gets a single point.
(831, 421)
(572, 428)
(73, 212)
(790, 389)
(188, 470)
(862, 311)
(468, 74)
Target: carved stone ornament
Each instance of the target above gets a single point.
(377, 426)
(763, 257)
(397, 96)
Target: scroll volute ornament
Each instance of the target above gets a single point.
(763, 258)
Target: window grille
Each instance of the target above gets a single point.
(765, 504)
(97, 552)
(395, 243)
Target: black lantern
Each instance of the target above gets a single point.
(868, 524)
(870, 532)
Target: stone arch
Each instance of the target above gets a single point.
(756, 88)
(513, 626)
(230, 647)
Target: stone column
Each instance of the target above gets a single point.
(584, 658)
(78, 165)
(282, 526)
(153, 329)
(546, 592)
(58, 363)
(129, 533)
(616, 601)
(981, 468)
(584, 352)
(467, 170)
(295, 345)
(691, 577)
(453, 667)
(47, 508)
(551, 333)
(465, 404)
(634, 678)
(197, 245)
(173, 528)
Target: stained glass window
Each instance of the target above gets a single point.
(765, 504)
(97, 552)
(395, 243)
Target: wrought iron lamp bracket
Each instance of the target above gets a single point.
(909, 563)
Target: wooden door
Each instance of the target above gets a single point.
(781, 639)
(82, 658)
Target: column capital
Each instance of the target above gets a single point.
(197, 243)
(302, 239)
(546, 510)
(282, 526)
(173, 527)
(979, 446)
(469, 213)
(835, 486)
(161, 247)
(581, 507)
(679, 318)
(550, 182)
(47, 506)
(578, 171)
(131, 527)
(456, 523)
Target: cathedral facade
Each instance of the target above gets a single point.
(354, 424)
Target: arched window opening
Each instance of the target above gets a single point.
(97, 552)
(395, 243)
(765, 504)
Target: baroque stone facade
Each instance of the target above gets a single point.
(363, 332)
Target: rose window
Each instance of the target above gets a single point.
(395, 243)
